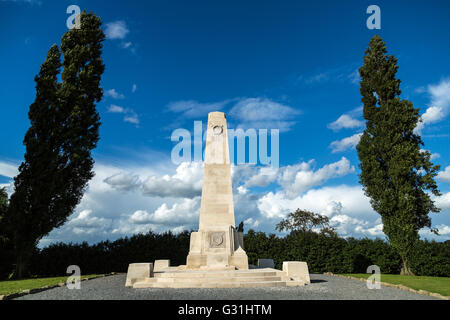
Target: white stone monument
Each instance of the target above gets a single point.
(216, 257)
(217, 244)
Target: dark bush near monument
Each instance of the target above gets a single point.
(324, 253)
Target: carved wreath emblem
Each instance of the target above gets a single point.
(217, 239)
(217, 130)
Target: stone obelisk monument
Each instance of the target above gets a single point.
(217, 244)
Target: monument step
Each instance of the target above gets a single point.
(218, 274)
(213, 279)
(201, 284)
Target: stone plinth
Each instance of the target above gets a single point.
(161, 265)
(297, 270)
(138, 272)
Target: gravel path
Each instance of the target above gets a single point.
(322, 287)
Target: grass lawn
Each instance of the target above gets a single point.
(15, 286)
(439, 285)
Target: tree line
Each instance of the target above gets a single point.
(323, 253)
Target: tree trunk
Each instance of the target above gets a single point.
(406, 271)
(21, 265)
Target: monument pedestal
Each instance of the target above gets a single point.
(214, 249)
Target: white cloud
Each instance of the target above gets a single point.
(329, 201)
(345, 121)
(116, 30)
(132, 117)
(116, 109)
(114, 94)
(301, 177)
(354, 77)
(443, 202)
(440, 94)
(263, 113)
(185, 183)
(129, 114)
(134, 88)
(192, 109)
(294, 179)
(185, 213)
(123, 181)
(8, 169)
(431, 115)
(251, 223)
(438, 106)
(346, 143)
(444, 175)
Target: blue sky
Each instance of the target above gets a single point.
(288, 65)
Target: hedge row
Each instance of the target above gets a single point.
(323, 254)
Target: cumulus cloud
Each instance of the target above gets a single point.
(438, 105)
(185, 212)
(440, 94)
(443, 202)
(116, 30)
(294, 179)
(444, 175)
(346, 143)
(343, 199)
(185, 183)
(345, 121)
(299, 178)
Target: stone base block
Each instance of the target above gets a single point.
(138, 272)
(160, 265)
(240, 261)
(297, 270)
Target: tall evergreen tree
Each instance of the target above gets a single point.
(3, 208)
(395, 172)
(64, 130)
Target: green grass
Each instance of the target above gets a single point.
(439, 285)
(15, 286)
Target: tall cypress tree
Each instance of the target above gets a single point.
(64, 130)
(3, 208)
(395, 172)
